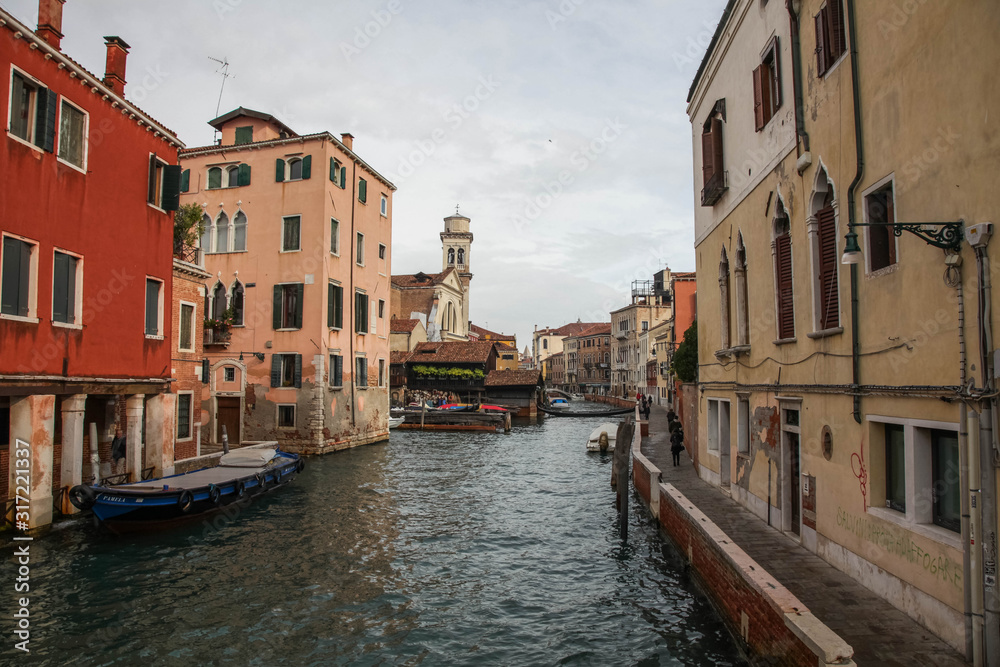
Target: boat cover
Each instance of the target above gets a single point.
(248, 458)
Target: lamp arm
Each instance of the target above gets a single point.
(947, 236)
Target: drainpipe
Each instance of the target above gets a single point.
(859, 147)
(354, 263)
(800, 121)
(975, 533)
(963, 468)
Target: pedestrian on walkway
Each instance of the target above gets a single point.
(677, 444)
(647, 405)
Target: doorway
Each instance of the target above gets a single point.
(791, 463)
(228, 415)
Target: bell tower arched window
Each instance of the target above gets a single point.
(451, 256)
(461, 256)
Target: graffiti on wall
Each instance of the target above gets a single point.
(899, 544)
(861, 472)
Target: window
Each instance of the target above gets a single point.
(361, 249)
(895, 468)
(713, 425)
(336, 370)
(232, 177)
(18, 280)
(290, 234)
(236, 303)
(32, 112)
(782, 245)
(298, 169)
(286, 370)
(219, 301)
(286, 416)
(712, 165)
(362, 191)
(384, 207)
(945, 485)
(461, 257)
(186, 180)
(184, 401)
(67, 278)
(360, 312)
(186, 333)
(222, 232)
(767, 86)
(229, 374)
(215, 178)
(361, 372)
(451, 256)
(880, 207)
(381, 372)
(724, 301)
(206, 234)
(831, 38)
(338, 173)
(334, 237)
(829, 297)
(334, 305)
(154, 307)
(742, 303)
(164, 190)
(645, 325)
(240, 232)
(381, 251)
(244, 135)
(72, 134)
(288, 306)
(743, 426)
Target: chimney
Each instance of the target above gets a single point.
(114, 71)
(50, 21)
(348, 140)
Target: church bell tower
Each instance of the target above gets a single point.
(456, 249)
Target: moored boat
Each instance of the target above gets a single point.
(558, 404)
(396, 421)
(594, 441)
(241, 475)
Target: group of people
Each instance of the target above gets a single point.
(645, 404)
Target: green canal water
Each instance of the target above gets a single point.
(431, 549)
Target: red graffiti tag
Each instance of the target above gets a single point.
(858, 466)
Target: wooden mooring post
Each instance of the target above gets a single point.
(620, 472)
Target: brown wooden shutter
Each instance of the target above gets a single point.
(837, 38)
(783, 261)
(717, 161)
(890, 216)
(758, 98)
(776, 76)
(829, 315)
(821, 20)
(707, 153)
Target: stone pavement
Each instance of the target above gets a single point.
(879, 633)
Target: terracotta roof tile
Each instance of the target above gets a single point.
(509, 378)
(402, 326)
(452, 352)
(399, 356)
(420, 279)
(482, 333)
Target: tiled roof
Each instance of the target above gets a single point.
(482, 333)
(690, 275)
(509, 378)
(402, 326)
(420, 279)
(399, 356)
(571, 329)
(596, 330)
(238, 112)
(452, 352)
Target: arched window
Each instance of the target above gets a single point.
(232, 177)
(219, 304)
(445, 319)
(781, 250)
(240, 232)
(742, 307)
(822, 228)
(222, 232)
(214, 178)
(451, 256)
(236, 303)
(461, 256)
(607, 357)
(206, 234)
(294, 169)
(724, 300)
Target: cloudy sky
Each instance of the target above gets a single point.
(557, 125)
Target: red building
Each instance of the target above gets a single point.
(89, 183)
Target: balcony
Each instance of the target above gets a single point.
(189, 254)
(715, 188)
(217, 336)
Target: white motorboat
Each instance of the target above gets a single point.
(594, 442)
(395, 421)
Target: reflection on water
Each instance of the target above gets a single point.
(434, 548)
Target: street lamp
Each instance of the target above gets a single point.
(946, 235)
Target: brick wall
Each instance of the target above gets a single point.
(187, 365)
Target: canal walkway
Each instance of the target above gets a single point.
(879, 633)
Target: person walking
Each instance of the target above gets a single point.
(677, 444)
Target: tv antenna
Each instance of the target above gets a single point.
(224, 70)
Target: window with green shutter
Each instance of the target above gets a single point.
(335, 306)
(244, 135)
(214, 178)
(185, 180)
(361, 372)
(336, 370)
(244, 174)
(279, 170)
(64, 288)
(16, 279)
(360, 312)
(287, 306)
(362, 190)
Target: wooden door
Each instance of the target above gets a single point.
(228, 415)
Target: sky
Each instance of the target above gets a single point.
(557, 126)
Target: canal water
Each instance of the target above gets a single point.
(431, 549)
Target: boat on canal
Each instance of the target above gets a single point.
(396, 421)
(558, 404)
(594, 441)
(240, 476)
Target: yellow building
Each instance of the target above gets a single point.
(841, 425)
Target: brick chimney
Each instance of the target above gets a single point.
(114, 71)
(348, 140)
(50, 21)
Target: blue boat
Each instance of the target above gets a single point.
(240, 476)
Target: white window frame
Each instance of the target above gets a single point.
(743, 425)
(177, 416)
(77, 322)
(157, 204)
(30, 141)
(225, 372)
(878, 185)
(381, 372)
(335, 237)
(277, 415)
(919, 515)
(230, 172)
(283, 219)
(85, 139)
(159, 308)
(384, 207)
(289, 162)
(719, 425)
(359, 244)
(32, 316)
(180, 323)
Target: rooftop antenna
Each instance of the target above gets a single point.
(224, 70)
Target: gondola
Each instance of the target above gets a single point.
(568, 413)
(241, 475)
